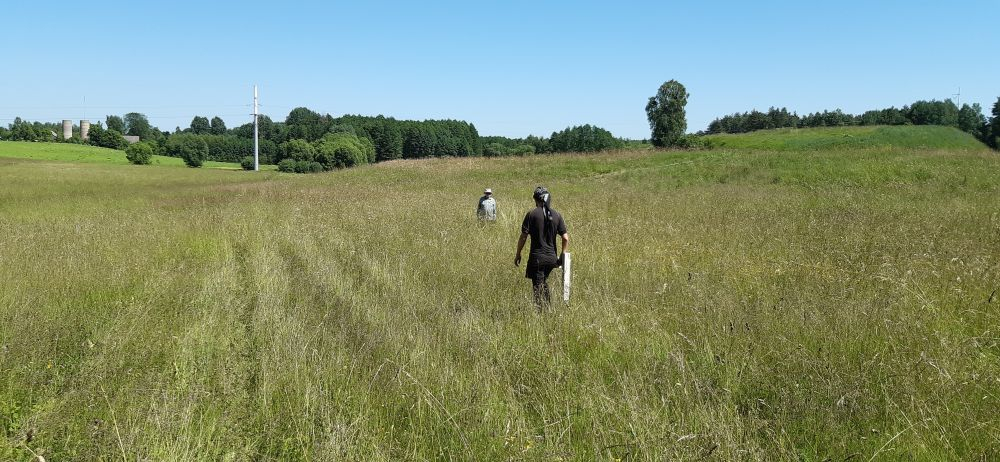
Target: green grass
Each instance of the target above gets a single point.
(78, 153)
(904, 137)
(728, 305)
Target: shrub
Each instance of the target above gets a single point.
(693, 142)
(308, 166)
(494, 150)
(298, 150)
(192, 148)
(139, 153)
(341, 150)
(523, 150)
(247, 163)
(286, 165)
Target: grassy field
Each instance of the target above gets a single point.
(903, 136)
(735, 304)
(78, 153)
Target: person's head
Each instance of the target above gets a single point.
(488, 192)
(541, 196)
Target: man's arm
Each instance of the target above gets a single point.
(565, 244)
(520, 246)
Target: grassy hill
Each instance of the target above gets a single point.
(736, 304)
(65, 152)
(903, 137)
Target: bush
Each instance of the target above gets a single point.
(139, 153)
(308, 166)
(494, 150)
(286, 165)
(192, 148)
(247, 163)
(298, 150)
(341, 150)
(523, 150)
(693, 142)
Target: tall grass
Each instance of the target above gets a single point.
(729, 305)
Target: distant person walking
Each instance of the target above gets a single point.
(543, 225)
(487, 209)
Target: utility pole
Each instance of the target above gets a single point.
(256, 144)
(959, 96)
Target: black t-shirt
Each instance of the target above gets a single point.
(543, 235)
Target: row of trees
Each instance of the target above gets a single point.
(388, 138)
(968, 118)
(21, 130)
(581, 138)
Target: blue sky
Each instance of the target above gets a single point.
(512, 68)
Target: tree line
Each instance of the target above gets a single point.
(580, 138)
(968, 118)
(309, 141)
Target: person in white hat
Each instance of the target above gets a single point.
(487, 209)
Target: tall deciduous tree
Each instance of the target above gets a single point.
(200, 125)
(137, 124)
(972, 120)
(665, 112)
(218, 126)
(115, 123)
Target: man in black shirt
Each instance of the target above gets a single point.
(543, 225)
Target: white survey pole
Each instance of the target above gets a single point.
(256, 144)
(566, 276)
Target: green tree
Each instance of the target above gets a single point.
(137, 124)
(22, 131)
(140, 153)
(115, 123)
(342, 150)
(972, 120)
(934, 113)
(217, 126)
(306, 124)
(583, 138)
(494, 150)
(192, 148)
(665, 112)
(111, 139)
(200, 125)
(298, 150)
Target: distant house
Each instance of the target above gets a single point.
(131, 139)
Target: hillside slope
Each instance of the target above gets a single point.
(66, 152)
(902, 136)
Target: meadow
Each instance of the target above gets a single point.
(748, 302)
(79, 153)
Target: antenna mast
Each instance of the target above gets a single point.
(256, 144)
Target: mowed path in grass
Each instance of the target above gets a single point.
(732, 304)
